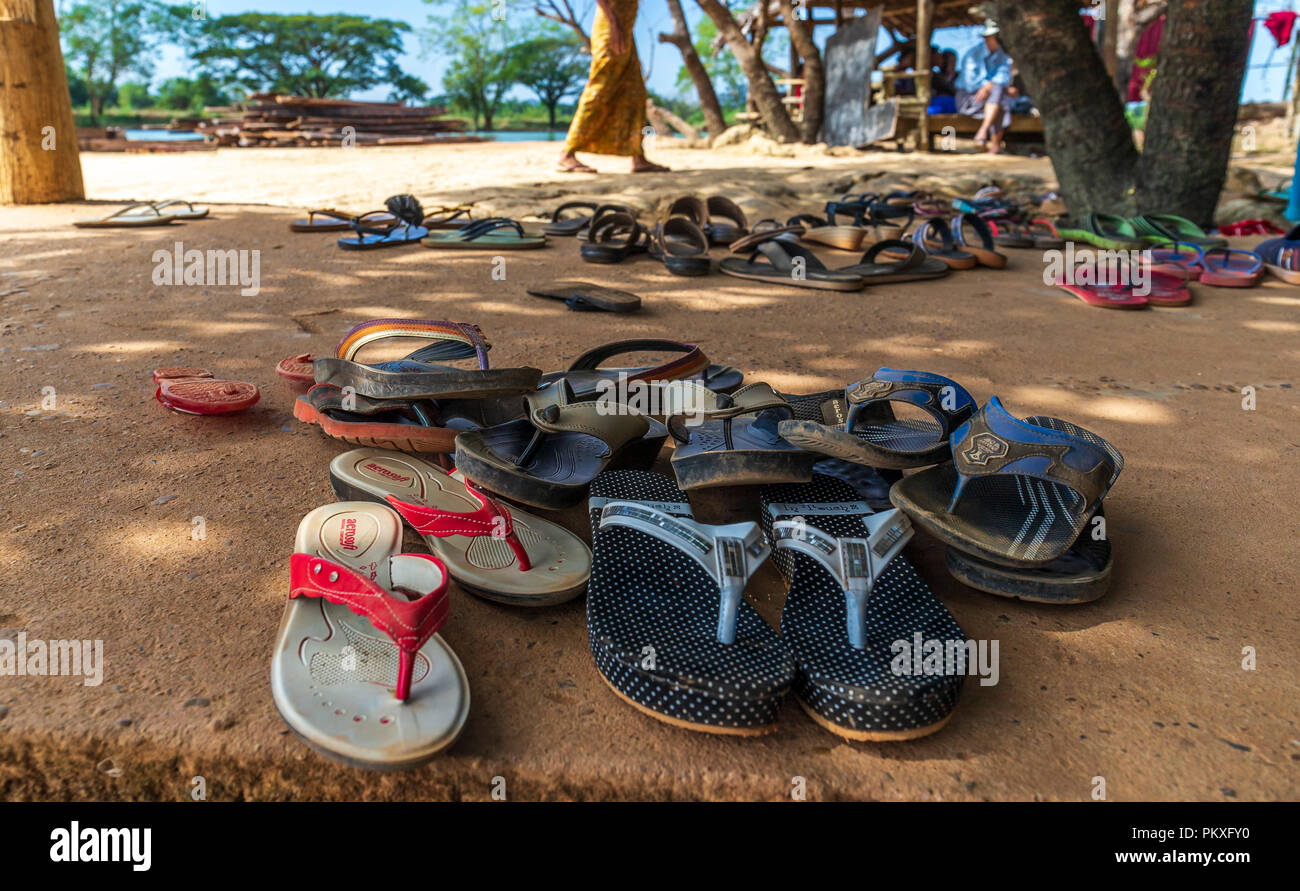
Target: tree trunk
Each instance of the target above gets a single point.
(762, 91)
(1190, 124)
(38, 138)
(680, 37)
(1194, 103)
(664, 120)
(814, 72)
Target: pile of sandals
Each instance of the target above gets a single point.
(471, 459)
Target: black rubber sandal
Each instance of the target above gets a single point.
(550, 456)
(1017, 493)
(669, 627)
(724, 447)
(682, 247)
(724, 221)
(789, 263)
(570, 225)
(910, 263)
(872, 435)
(614, 237)
(852, 597)
(586, 296)
(587, 378)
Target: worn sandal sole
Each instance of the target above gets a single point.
(399, 437)
(814, 284)
(451, 383)
(708, 469)
(871, 735)
(841, 444)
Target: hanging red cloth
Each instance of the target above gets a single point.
(1280, 25)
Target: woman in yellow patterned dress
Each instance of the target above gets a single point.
(611, 113)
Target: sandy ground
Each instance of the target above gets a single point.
(1145, 688)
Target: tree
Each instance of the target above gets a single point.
(305, 55)
(750, 56)
(694, 69)
(482, 69)
(1193, 107)
(814, 73)
(186, 94)
(562, 12)
(134, 95)
(38, 138)
(105, 39)
(551, 66)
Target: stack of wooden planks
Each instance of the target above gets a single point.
(276, 119)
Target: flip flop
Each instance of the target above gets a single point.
(682, 247)
(570, 225)
(404, 425)
(690, 208)
(1231, 268)
(493, 233)
(726, 447)
(986, 253)
(588, 379)
(414, 376)
(910, 263)
(780, 266)
(1104, 296)
(193, 391)
(1281, 256)
(448, 217)
(1159, 227)
(613, 237)
(297, 369)
(1104, 230)
(336, 221)
(190, 213)
(724, 221)
(1169, 258)
(360, 672)
(670, 630)
(143, 214)
(548, 457)
(935, 237)
(852, 596)
(816, 229)
(1081, 575)
(872, 435)
(583, 296)
(1012, 234)
(499, 553)
(1044, 234)
(402, 223)
(1017, 493)
(764, 230)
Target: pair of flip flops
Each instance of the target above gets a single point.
(150, 213)
(573, 218)
(681, 240)
(1152, 286)
(672, 634)
(581, 296)
(360, 671)
(194, 391)
(614, 235)
(411, 404)
(324, 219)
(718, 218)
(964, 243)
(1039, 234)
(776, 257)
(1135, 233)
(1018, 501)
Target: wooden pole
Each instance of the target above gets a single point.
(924, 16)
(38, 139)
(1110, 38)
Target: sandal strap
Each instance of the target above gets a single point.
(697, 243)
(407, 623)
(943, 399)
(915, 253)
(492, 518)
(979, 225)
(326, 398)
(477, 230)
(689, 207)
(751, 399)
(993, 442)
(940, 229)
(729, 554)
(572, 205)
(692, 362)
(454, 340)
(854, 563)
(552, 409)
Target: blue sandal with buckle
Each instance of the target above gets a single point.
(872, 435)
(1017, 492)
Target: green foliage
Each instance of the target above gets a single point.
(551, 66)
(478, 38)
(307, 55)
(724, 70)
(106, 39)
(190, 94)
(134, 95)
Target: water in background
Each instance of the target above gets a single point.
(521, 135)
(162, 135)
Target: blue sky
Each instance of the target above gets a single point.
(663, 60)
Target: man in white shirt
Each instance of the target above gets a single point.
(984, 88)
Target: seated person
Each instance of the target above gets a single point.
(984, 88)
(944, 80)
(905, 86)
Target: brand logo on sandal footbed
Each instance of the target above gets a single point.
(984, 447)
(865, 390)
(348, 535)
(385, 472)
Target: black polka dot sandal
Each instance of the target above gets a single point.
(548, 457)
(1017, 492)
(738, 444)
(872, 434)
(669, 627)
(852, 598)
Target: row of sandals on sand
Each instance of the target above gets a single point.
(362, 674)
(904, 236)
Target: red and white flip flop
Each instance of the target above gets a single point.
(195, 392)
(360, 672)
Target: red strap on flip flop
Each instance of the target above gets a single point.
(492, 518)
(408, 623)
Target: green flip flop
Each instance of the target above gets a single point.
(1158, 228)
(1105, 231)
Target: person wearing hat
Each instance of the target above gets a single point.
(984, 88)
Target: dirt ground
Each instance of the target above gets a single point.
(1145, 688)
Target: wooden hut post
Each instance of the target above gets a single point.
(38, 137)
(924, 19)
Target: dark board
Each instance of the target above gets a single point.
(850, 59)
